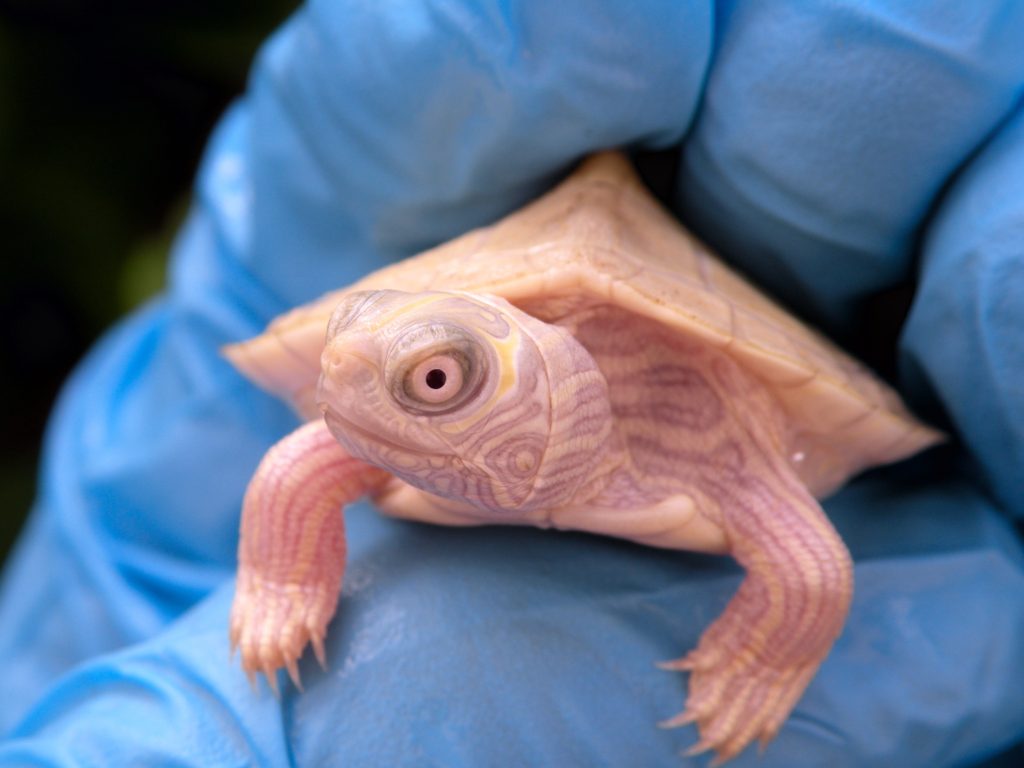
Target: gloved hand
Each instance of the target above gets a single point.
(832, 154)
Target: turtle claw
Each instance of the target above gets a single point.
(293, 673)
(738, 702)
(674, 665)
(271, 676)
(687, 716)
(317, 641)
(699, 748)
(271, 625)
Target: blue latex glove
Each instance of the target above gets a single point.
(824, 152)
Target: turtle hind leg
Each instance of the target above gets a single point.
(754, 662)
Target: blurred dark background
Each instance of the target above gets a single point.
(104, 111)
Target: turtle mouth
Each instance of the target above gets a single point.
(365, 435)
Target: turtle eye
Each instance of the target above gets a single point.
(436, 380)
(435, 368)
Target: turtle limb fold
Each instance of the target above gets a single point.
(291, 557)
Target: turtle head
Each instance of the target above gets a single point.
(464, 396)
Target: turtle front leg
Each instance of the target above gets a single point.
(291, 557)
(754, 662)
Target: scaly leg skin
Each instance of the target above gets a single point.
(291, 557)
(754, 662)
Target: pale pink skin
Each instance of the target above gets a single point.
(598, 421)
(291, 557)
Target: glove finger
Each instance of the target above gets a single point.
(963, 342)
(828, 130)
(377, 134)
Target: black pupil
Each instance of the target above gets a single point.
(436, 378)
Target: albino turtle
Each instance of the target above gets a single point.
(582, 364)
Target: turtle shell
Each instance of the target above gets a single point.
(601, 235)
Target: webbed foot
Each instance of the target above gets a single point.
(737, 701)
(271, 624)
(754, 662)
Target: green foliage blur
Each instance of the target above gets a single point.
(104, 111)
